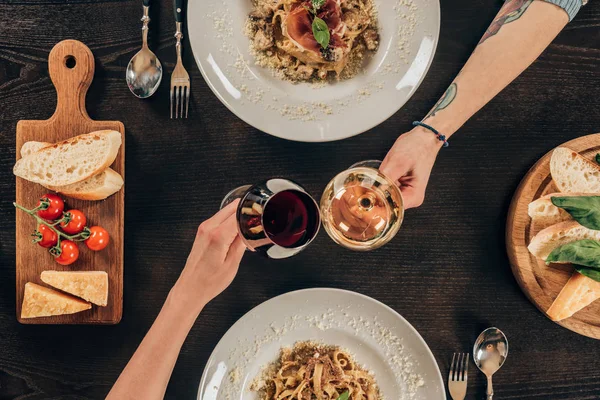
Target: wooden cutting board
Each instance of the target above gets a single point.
(540, 282)
(71, 67)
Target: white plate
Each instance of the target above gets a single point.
(378, 337)
(409, 31)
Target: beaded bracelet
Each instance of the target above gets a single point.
(441, 138)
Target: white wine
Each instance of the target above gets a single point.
(362, 209)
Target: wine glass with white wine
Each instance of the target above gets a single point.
(361, 208)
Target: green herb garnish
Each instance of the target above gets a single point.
(319, 27)
(583, 209)
(585, 253)
(344, 396)
(598, 158)
(321, 32)
(590, 273)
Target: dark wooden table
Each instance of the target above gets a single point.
(447, 271)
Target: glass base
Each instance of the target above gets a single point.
(235, 194)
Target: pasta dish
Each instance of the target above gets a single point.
(311, 371)
(304, 40)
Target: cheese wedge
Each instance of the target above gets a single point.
(579, 292)
(40, 301)
(89, 285)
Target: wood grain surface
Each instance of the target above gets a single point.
(542, 283)
(71, 119)
(446, 272)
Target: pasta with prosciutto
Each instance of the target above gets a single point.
(282, 33)
(310, 371)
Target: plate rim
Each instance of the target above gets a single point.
(213, 88)
(429, 353)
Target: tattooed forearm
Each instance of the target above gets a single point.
(445, 101)
(511, 11)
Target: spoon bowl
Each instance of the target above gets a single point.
(144, 73)
(489, 353)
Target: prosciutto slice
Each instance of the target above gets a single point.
(299, 25)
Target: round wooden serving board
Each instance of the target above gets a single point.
(540, 282)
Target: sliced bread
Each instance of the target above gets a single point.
(562, 233)
(579, 292)
(40, 301)
(89, 285)
(72, 160)
(98, 187)
(573, 173)
(544, 213)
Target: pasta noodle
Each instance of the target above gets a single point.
(311, 371)
(283, 37)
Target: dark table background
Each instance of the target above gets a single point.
(447, 271)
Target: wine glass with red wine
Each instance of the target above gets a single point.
(277, 217)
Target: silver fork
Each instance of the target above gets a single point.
(180, 79)
(457, 378)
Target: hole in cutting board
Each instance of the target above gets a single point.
(70, 62)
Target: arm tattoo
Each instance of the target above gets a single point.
(511, 11)
(445, 101)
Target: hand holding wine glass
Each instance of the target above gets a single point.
(213, 262)
(409, 162)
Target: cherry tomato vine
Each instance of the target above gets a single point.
(61, 243)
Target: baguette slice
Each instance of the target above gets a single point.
(579, 292)
(544, 213)
(573, 173)
(89, 285)
(40, 301)
(72, 160)
(98, 187)
(557, 235)
(29, 148)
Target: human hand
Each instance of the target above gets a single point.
(213, 261)
(409, 163)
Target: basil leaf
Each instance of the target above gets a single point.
(344, 396)
(321, 32)
(584, 252)
(590, 273)
(583, 209)
(598, 158)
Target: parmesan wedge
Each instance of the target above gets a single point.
(89, 285)
(40, 301)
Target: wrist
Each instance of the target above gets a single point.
(429, 140)
(184, 303)
(444, 126)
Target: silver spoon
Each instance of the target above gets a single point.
(144, 71)
(489, 353)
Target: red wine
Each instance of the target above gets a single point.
(290, 218)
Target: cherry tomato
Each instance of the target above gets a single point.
(46, 237)
(98, 239)
(76, 222)
(55, 207)
(69, 253)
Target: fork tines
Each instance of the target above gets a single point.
(181, 94)
(457, 378)
(458, 369)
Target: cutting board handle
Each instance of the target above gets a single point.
(71, 65)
